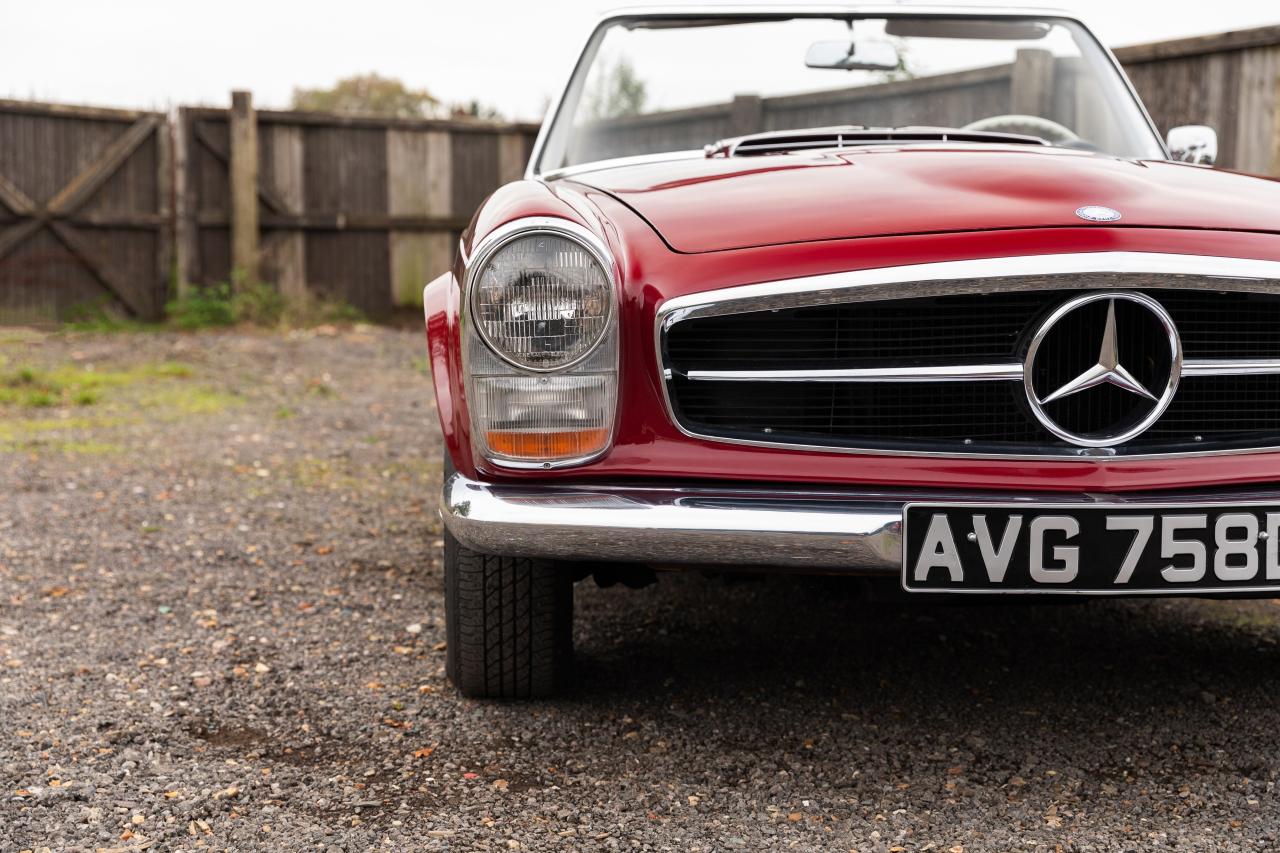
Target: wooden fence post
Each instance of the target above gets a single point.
(244, 190)
(1032, 82)
(746, 115)
(1275, 115)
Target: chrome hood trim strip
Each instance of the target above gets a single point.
(1077, 271)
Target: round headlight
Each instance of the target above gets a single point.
(542, 301)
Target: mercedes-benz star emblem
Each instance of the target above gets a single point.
(1097, 213)
(1102, 368)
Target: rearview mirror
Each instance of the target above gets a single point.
(853, 56)
(1194, 143)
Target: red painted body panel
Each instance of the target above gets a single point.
(883, 190)
(648, 446)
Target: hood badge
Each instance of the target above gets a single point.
(1097, 213)
(1065, 389)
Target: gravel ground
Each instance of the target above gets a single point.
(221, 627)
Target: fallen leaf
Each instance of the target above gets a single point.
(795, 817)
(501, 784)
(470, 775)
(324, 549)
(424, 752)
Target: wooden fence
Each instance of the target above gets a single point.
(85, 206)
(365, 210)
(120, 208)
(1229, 81)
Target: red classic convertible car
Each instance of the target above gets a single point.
(908, 293)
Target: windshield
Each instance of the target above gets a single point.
(652, 85)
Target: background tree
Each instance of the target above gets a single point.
(475, 109)
(369, 94)
(617, 92)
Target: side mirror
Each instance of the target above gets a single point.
(1194, 143)
(853, 55)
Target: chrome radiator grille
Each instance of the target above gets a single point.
(947, 371)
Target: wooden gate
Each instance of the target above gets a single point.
(359, 209)
(85, 205)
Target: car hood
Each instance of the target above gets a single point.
(709, 205)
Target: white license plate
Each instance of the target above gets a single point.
(1086, 549)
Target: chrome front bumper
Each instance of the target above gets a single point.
(827, 530)
(695, 526)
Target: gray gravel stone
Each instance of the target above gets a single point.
(224, 654)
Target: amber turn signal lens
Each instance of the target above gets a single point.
(535, 446)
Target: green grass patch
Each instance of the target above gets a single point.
(182, 400)
(233, 302)
(23, 430)
(103, 315)
(62, 446)
(202, 308)
(33, 388)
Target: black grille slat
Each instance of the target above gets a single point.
(1223, 412)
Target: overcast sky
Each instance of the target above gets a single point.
(512, 54)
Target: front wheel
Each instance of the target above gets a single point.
(509, 623)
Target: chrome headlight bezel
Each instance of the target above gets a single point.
(520, 229)
(480, 352)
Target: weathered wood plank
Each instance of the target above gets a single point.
(164, 210)
(186, 237)
(408, 162)
(342, 222)
(417, 258)
(284, 252)
(41, 108)
(15, 199)
(71, 197)
(99, 268)
(1257, 105)
(16, 235)
(284, 262)
(1199, 45)
(244, 189)
(1031, 82)
(285, 168)
(221, 152)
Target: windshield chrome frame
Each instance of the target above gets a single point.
(577, 77)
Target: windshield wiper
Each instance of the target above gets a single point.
(777, 142)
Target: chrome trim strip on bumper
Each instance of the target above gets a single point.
(1075, 271)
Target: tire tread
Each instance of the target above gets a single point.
(509, 624)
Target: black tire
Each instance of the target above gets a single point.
(509, 624)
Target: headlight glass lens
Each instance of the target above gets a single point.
(542, 301)
(540, 351)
